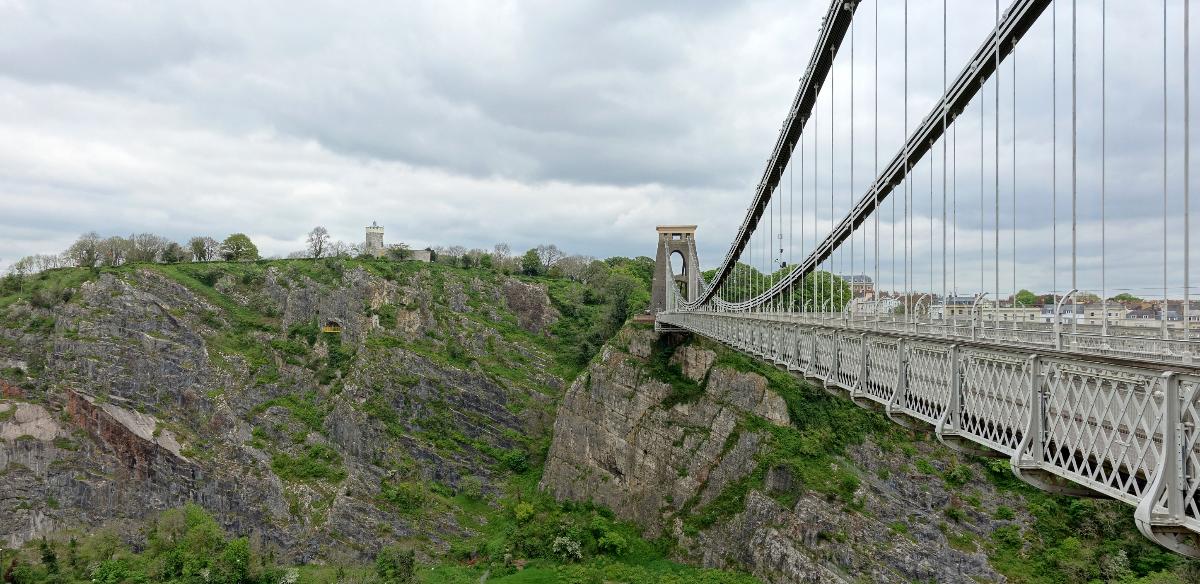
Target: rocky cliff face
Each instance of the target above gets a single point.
(706, 471)
(153, 387)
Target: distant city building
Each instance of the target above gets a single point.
(1092, 313)
(861, 285)
(954, 307)
(868, 305)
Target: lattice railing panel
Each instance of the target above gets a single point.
(1103, 425)
(995, 393)
(883, 366)
(804, 349)
(928, 381)
(826, 345)
(1189, 395)
(849, 359)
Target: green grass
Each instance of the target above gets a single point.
(305, 408)
(315, 462)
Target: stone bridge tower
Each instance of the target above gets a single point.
(675, 239)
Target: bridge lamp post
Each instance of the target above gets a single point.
(974, 318)
(928, 305)
(1058, 317)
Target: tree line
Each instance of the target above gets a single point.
(91, 251)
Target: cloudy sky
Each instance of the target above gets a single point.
(581, 123)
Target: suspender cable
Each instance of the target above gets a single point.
(1074, 175)
(1163, 312)
(1014, 178)
(832, 183)
(1187, 302)
(907, 181)
(850, 193)
(944, 33)
(996, 154)
(1103, 167)
(875, 212)
(1054, 158)
(816, 193)
(803, 306)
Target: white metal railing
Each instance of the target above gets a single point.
(1067, 420)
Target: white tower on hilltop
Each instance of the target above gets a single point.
(374, 243)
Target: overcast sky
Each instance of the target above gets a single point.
(578, 123)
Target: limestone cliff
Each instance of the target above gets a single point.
(718, 473)
(145, 388)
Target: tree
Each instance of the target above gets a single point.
(146, 247)
(49, 557)
(174, 253)
(822, 292)
(238, 248)
(204, 248)
(574, 267)
(83, 252)
(318, 241)
(501, 252)
(395, 566)
(341, 249)
(549, 255)
(113, 251)
(1126, 298)
(399, 251)
(1025, 298)
(531, 264)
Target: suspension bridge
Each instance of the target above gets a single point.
(1079, 397)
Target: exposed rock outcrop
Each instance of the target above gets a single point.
(615, 443)
(147, 391)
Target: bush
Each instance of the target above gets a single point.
(408, 498)
(471, 487)
(958, 475)
(567, 549)
(612, 543)
(523, 512)
(395, 566)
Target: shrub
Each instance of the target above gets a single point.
(471, 487)
(1007, 536)
(612, 543)
(395, 566)
(408, 498)
(958, 475)
(567, 549)
(317, 462)
(523, 511)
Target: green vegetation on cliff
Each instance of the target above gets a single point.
(182, 546)
(1037, 537)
